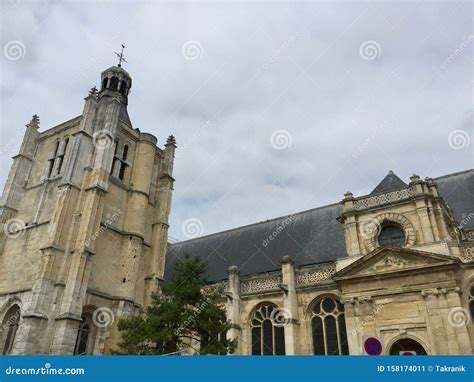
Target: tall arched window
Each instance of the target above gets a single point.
(268, 336)
(52, 159)
(61, 156)
(123, 162)
(84, 336)
(329, 328)
(10, 326)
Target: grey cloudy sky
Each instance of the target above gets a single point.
(276, 107)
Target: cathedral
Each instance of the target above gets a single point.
(85, 242)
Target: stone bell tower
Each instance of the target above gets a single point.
(85, 224)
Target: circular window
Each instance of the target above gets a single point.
(391, 235)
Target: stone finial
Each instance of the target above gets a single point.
(286, 259)
(415, 178)
(233, 270)
(348, 195)
(171, 140)
(93, 92)
(35, 120)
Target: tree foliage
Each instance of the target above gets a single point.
(185, 317)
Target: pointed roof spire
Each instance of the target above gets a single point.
(391, 182)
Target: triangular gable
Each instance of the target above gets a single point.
(387, 260)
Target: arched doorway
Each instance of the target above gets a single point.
(407, 344)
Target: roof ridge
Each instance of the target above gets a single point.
(454, 174)
(254, 224)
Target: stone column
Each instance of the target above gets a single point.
(290, 305)
(353, 334)
(458, 318)
(233, 304)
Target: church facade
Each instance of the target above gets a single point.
(84, 243)
(395, 265)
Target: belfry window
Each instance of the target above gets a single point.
(83, 336)
(123, 162)
(391, 235)
(52, 159)
(104, 83)
(61, 156)
(329, 328)
(115, 158)
(123, 87)
(268, 336)
(10, 327)
(114, 83)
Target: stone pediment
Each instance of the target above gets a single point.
(389, 260)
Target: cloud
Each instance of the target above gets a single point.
(293, 67)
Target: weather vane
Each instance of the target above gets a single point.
(121, 57)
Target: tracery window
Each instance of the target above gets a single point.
(328, 328)
(268, 335)
(10, 327)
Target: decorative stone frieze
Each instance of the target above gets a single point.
(307, 278)
(263, 284)
(381, 199)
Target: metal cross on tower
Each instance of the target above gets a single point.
(121, 57)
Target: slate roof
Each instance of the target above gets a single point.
(391, 182)
(309, 237)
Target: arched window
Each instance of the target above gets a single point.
(114, 83)
(123, 88)
(84, 336)
(104, 83)
(10, 326)
(62, 155)
(52, 159)
(407, 345)
(268, 336)
(329, 328)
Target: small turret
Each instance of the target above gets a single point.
(116, 82)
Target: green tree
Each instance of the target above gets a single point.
(185, 316)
